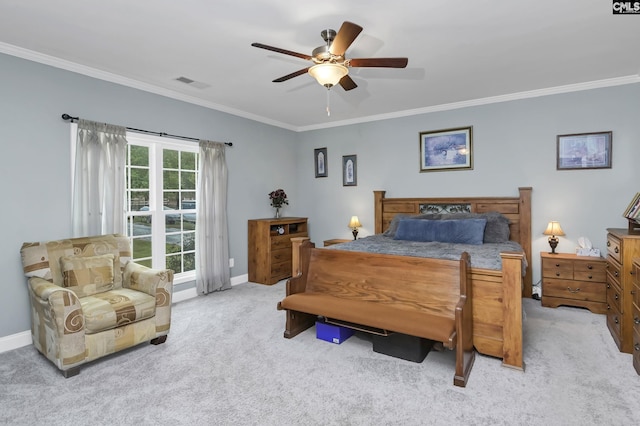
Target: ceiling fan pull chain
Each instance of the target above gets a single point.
(328, 102)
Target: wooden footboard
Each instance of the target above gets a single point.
(497, 308)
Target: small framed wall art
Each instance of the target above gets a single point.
(349, 170)
(320, 158)
(584, 151)
(448, 149)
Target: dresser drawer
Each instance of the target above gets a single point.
(557, 268)
(282, 269)
(280, 242)
(613, 324)
(613, 247)
(575, 290)
(281, 255)
(614, 297)
(613, 271)
(636, 350)
(635, 289)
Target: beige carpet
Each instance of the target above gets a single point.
(225, 362)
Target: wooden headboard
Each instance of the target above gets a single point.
(516, 209)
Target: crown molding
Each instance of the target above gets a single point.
(598, 84)
(135, 84)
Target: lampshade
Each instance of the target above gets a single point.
(354, 222)
(328, 74)
(553, 228)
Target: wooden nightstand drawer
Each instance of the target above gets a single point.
(597, 276)
(587, 270)
(557, 268)
(575, 290)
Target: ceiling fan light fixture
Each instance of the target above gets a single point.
(328, 74)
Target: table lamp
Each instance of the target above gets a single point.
(553, 229)
(354, 224)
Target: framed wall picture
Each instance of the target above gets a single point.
(320, 158)
(584, 151)
(349, 170)
(448, 149)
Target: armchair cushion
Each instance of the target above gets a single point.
(87, 275)
(116, 308)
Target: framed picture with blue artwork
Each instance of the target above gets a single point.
(584, 151)
(320, 158)
(349, 170)
(448, 149)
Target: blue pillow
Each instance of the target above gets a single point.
(467, 231)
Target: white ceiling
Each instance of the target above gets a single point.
(460, 52)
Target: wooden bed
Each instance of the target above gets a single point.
(497, 295)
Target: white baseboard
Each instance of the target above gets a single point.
(23, 338)
(15, 341)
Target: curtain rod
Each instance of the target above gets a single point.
(66, 116)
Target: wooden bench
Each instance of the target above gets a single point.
(427, 298)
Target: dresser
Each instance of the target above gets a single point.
(636, 314)
(572, 280)
(269, 247)
(622, 248)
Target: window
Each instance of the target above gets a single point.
(161, 202)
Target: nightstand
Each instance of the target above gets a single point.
(571, 280)
(335, 241)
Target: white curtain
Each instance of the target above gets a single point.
(212, 239)
(99, 179)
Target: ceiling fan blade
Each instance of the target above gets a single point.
(347, 83)
(345, 36)
(278, 50)
(379, 62)
(290, 76)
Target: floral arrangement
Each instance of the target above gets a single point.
(278, 198)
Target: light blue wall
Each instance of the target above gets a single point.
(514, 145)
(35, 161)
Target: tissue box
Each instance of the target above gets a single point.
(593, 252)
(332, 333)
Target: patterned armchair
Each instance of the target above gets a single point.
(89, 300)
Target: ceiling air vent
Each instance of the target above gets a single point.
(193, 83)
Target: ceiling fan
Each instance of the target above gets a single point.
(331, 66)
